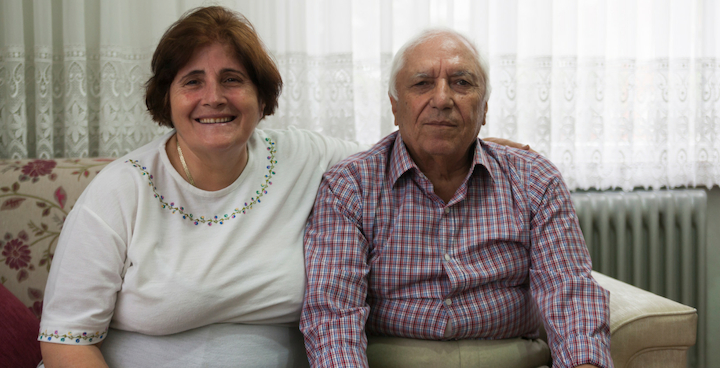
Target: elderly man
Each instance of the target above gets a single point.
(435, 234)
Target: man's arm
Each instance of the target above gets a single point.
(336, 252)
(574, 307)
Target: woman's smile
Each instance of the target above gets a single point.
(215, 120)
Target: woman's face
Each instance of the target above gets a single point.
(214, 104)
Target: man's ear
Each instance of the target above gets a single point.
(394, 105)
(485, 114)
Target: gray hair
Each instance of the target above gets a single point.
(399, 59)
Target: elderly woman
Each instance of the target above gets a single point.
(188, 251)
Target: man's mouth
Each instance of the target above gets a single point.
(441, 123)
(215, 120)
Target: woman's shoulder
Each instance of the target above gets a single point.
(126, 172)
(146, 152)
(302, 144)
(291, 135)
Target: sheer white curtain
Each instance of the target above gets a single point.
(617, 93)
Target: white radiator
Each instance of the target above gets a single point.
(654, 240)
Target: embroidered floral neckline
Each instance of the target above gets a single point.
(214, 219)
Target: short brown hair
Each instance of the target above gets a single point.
(201, 27)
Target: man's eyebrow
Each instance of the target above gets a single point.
(459, 73)
(463, 73)
(420, 75)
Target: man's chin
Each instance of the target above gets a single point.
(443, 148)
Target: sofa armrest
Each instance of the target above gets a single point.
(647, 330)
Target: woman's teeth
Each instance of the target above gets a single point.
(215, 120)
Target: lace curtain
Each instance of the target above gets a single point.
(617, 93)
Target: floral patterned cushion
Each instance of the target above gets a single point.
(35, 198)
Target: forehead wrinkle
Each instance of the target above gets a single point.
(457, 56)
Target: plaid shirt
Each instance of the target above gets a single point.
(385, 253)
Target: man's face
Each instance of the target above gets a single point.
(439, 110)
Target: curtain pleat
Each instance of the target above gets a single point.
(617, 93)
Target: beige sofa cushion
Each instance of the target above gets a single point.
(397, 352)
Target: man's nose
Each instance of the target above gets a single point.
(442, 95)
(214, 95)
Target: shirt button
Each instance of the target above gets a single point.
(447, 209)
(447, 257)
(448, 301)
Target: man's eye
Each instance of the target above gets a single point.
(423, 83)
(463, 82)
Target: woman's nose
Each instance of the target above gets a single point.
(214, 95)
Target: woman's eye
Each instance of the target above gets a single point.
(191, 82)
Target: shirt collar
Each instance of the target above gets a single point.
(481, 156)
(401, 162)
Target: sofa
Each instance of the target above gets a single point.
(36, 196)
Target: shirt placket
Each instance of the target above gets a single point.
(446, 225)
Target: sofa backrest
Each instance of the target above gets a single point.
(35, 198)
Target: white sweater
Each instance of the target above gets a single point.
(145, 251)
